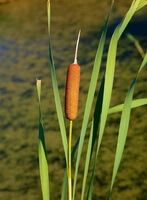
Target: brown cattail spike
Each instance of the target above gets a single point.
(72, 91)
(72, 87)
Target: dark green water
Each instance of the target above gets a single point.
(24, 57)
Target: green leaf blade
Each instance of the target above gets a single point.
(43, 165)
(87, 162)
(123, 129)
(109, 78)
(135, 103)
(90, 98)
(141, 4)
(56, 90)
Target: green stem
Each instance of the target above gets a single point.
(69, 162)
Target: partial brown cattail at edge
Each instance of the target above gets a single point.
(72, 87)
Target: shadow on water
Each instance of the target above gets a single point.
(137, 26)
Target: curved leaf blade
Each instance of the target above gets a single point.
(124, 124)
(43, 165)
(56, 90)
(135, 103)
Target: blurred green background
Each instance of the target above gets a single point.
(24, 57)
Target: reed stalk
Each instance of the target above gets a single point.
(69, 161)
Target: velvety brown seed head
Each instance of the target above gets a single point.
(72, 91)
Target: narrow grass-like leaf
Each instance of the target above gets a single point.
(89, 194)
(108, 83)
(87, 162)
(115, 109)
(43, 165)
(90, 98)
(143, 64)
(128, 17)
(97, 113)
(96, 121)
(123, 129)
(118, 108)
(56, 91)
(142, 4)
(75, 148)
(64, 187)
(109, 77)
(110, 68)
(93, 134)
(135, 103)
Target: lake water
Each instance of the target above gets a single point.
(24, 57)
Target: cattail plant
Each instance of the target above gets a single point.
(71, 105)
(99, 117)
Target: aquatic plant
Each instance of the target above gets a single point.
(101, 111)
